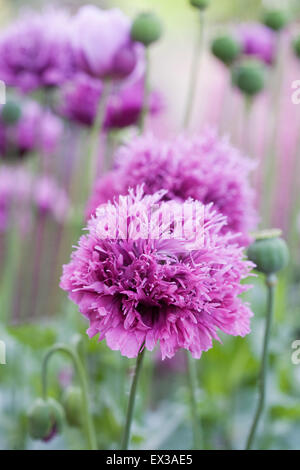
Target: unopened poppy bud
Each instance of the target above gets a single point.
(45, 419)
(249, 77)
(201, 4)
(270, 255)
(226, 49)
(10, 112)
(72, 401)
(296, 46)
(276, 19)
(146, 29)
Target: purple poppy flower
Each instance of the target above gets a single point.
(205, 168)
(36, 51)
(80, 100)
(102, 44)
(138, 289)
(258, 40)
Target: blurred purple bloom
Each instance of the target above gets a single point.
(50, 133)
(80, 100)
(49, 198)
(20, 192)
(102, 44)
(37, 130)
(205, 168)
(258, 40)
(35, 51)
(15, 193)
(65, 377)
(137, 292)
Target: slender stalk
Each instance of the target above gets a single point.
(271, 156)
(132, 395)
(145, 106)
(13, 260)
(246, 141)
(293, 240)
(271, 282)
(37, 264)
(194, 73)
(193, 385)
(94, 137)
(87, 420)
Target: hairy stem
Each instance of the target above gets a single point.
(271, 282)
(132, 395)
(194, 73)
(193, 385)
(145, 106)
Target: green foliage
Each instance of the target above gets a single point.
(33, 335)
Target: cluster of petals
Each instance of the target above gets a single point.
(138, 291)
(258, 41)
(21, 193)
(205, 168)
(37, 130)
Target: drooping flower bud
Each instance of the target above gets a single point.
(226, 49)
(201, 4)
(276, 19)
(10, 112)
(72, 401)
(270, 254)
(296, 46)
(45, 419)
(146, 29)
(249, 77)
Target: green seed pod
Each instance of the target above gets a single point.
(45, 419)
(249, 77)
(296, 46)
(72, 401)
(57, 414)
(146, 29)
(201, 4)
(276, 19)
(39, 420)
(10, 112)
(226, 49)
(270, 255)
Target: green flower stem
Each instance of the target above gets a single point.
(246, 140)
(87, 419)
(271, 156)
(145, 107)
(293, 240)
(194, 73)
(132, 395)
(271, 281)
(193, 385)
(94, 137)
(13, 252)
